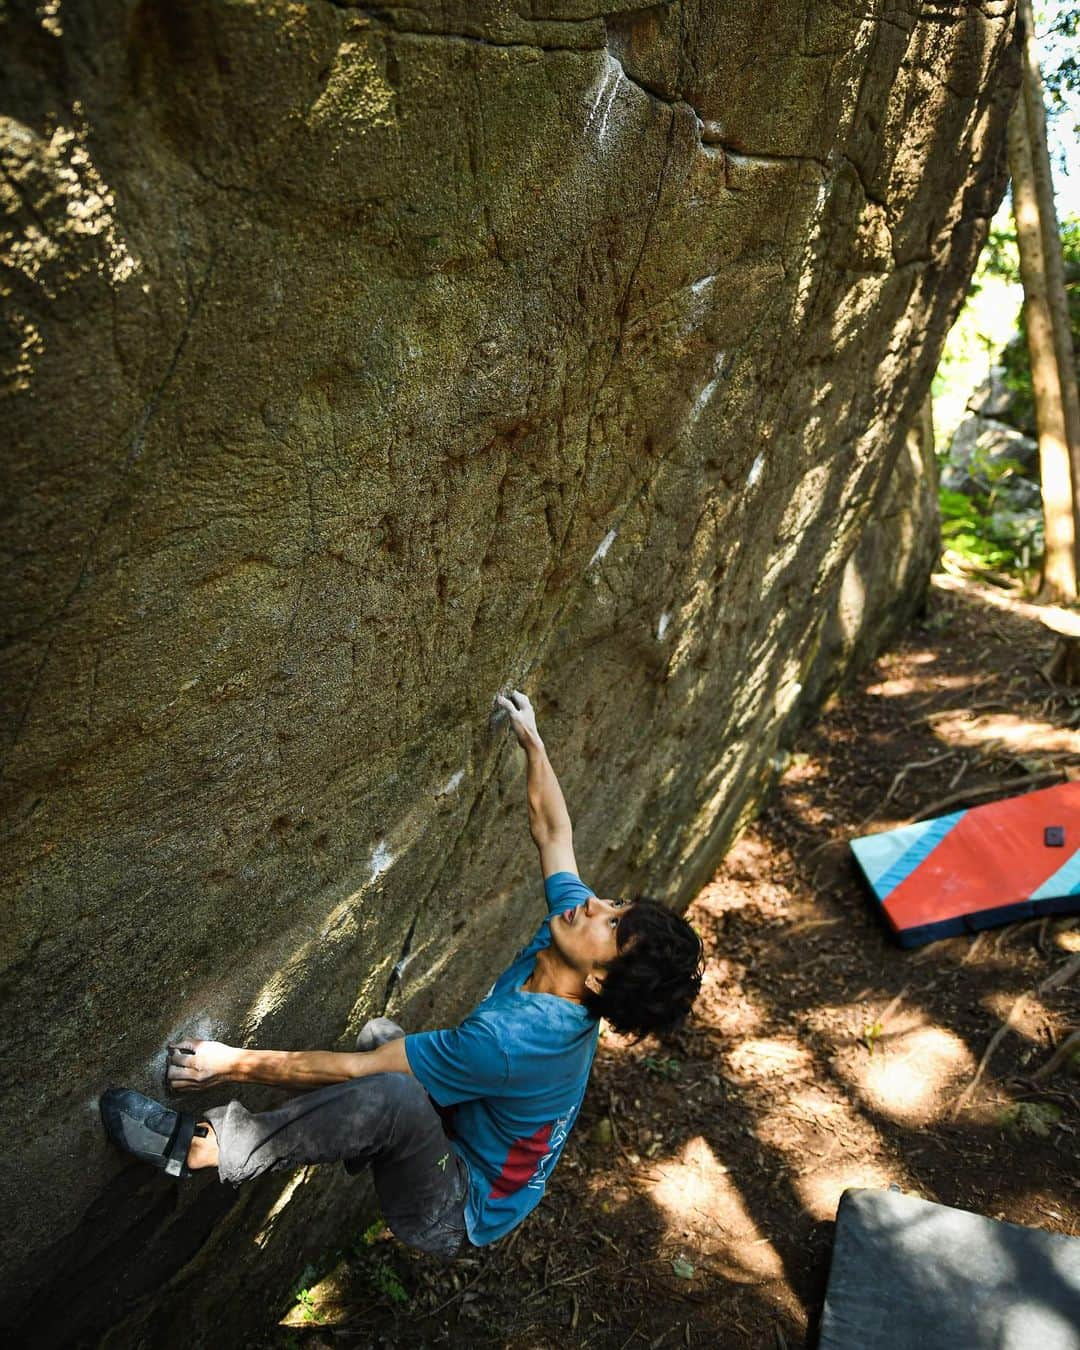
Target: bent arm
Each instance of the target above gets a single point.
(202, 1064)
(316, 1068)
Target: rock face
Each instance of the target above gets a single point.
(981, 448)
(993, 398)
(359, 363)
(883, 584)
(989, 461)
(998, 467)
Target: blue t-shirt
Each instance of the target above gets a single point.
(515, 1072)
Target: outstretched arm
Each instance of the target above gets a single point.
(202, 1064)
(549, 820)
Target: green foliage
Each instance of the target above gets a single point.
(308, 1276)
(871, 1035)
(370, 1235)
(384, 1279)
(1037, 1118)
(1062, 76)
(306, 1302)
(1057, 28)
(663, 1068)
(994, 542)
(303, 1297)
(978, 530)
(999, 258)
(373, 1268)
(987, 321)
(376, 1269)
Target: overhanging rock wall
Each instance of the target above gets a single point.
(361, 362)
(883, 584)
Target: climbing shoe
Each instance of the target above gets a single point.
(150, 1131)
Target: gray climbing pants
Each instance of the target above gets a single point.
(385, 1121)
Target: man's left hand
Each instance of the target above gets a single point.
(199, 1064)
(522, 717)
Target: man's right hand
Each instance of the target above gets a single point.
(522, 717)
(200, 1064)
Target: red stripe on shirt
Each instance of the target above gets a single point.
(521, 1163)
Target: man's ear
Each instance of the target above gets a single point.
(594, 981)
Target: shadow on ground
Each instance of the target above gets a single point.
(694, 1203)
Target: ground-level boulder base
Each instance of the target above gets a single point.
(911, 1275)
(1017, 858)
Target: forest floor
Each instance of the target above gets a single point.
(694, 1202)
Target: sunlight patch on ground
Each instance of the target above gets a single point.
(749, 859)
(813, 1103)
(1027, 1016)
(812, 1125)
(912, 1075)
(730, 1011)
(1046, 616)
(700, 1201)
(1068, 941)
(839, 1022)
(325, 1302)
(757, 1061)
(805, 804)
(747, 881)
(802, 769)
(901, 685)
(820, 1191)
(1007, 730)
(825, 1143)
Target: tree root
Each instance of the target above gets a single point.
(1063, 1052)
(1062, 975)
(899, 777)
(979, 790)
(1063, 667)
(995, 1041)
(1054, 980)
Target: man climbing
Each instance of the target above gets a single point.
(462, 1127)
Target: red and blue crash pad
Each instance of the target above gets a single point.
(907, 1274)
(1013, 859)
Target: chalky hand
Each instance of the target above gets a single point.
(522, 716)
(198, 1064)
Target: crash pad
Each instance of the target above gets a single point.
(1011, 859)
(908, 1274)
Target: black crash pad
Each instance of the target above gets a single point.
(910, 1275)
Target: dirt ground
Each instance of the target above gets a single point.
(694, 1202)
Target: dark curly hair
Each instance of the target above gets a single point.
(652, 983)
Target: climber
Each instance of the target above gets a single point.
(461, 1127)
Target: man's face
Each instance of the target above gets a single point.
(585, 936)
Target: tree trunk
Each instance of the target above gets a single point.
(1063, 665)
(1035, 107)
(1059, 561)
